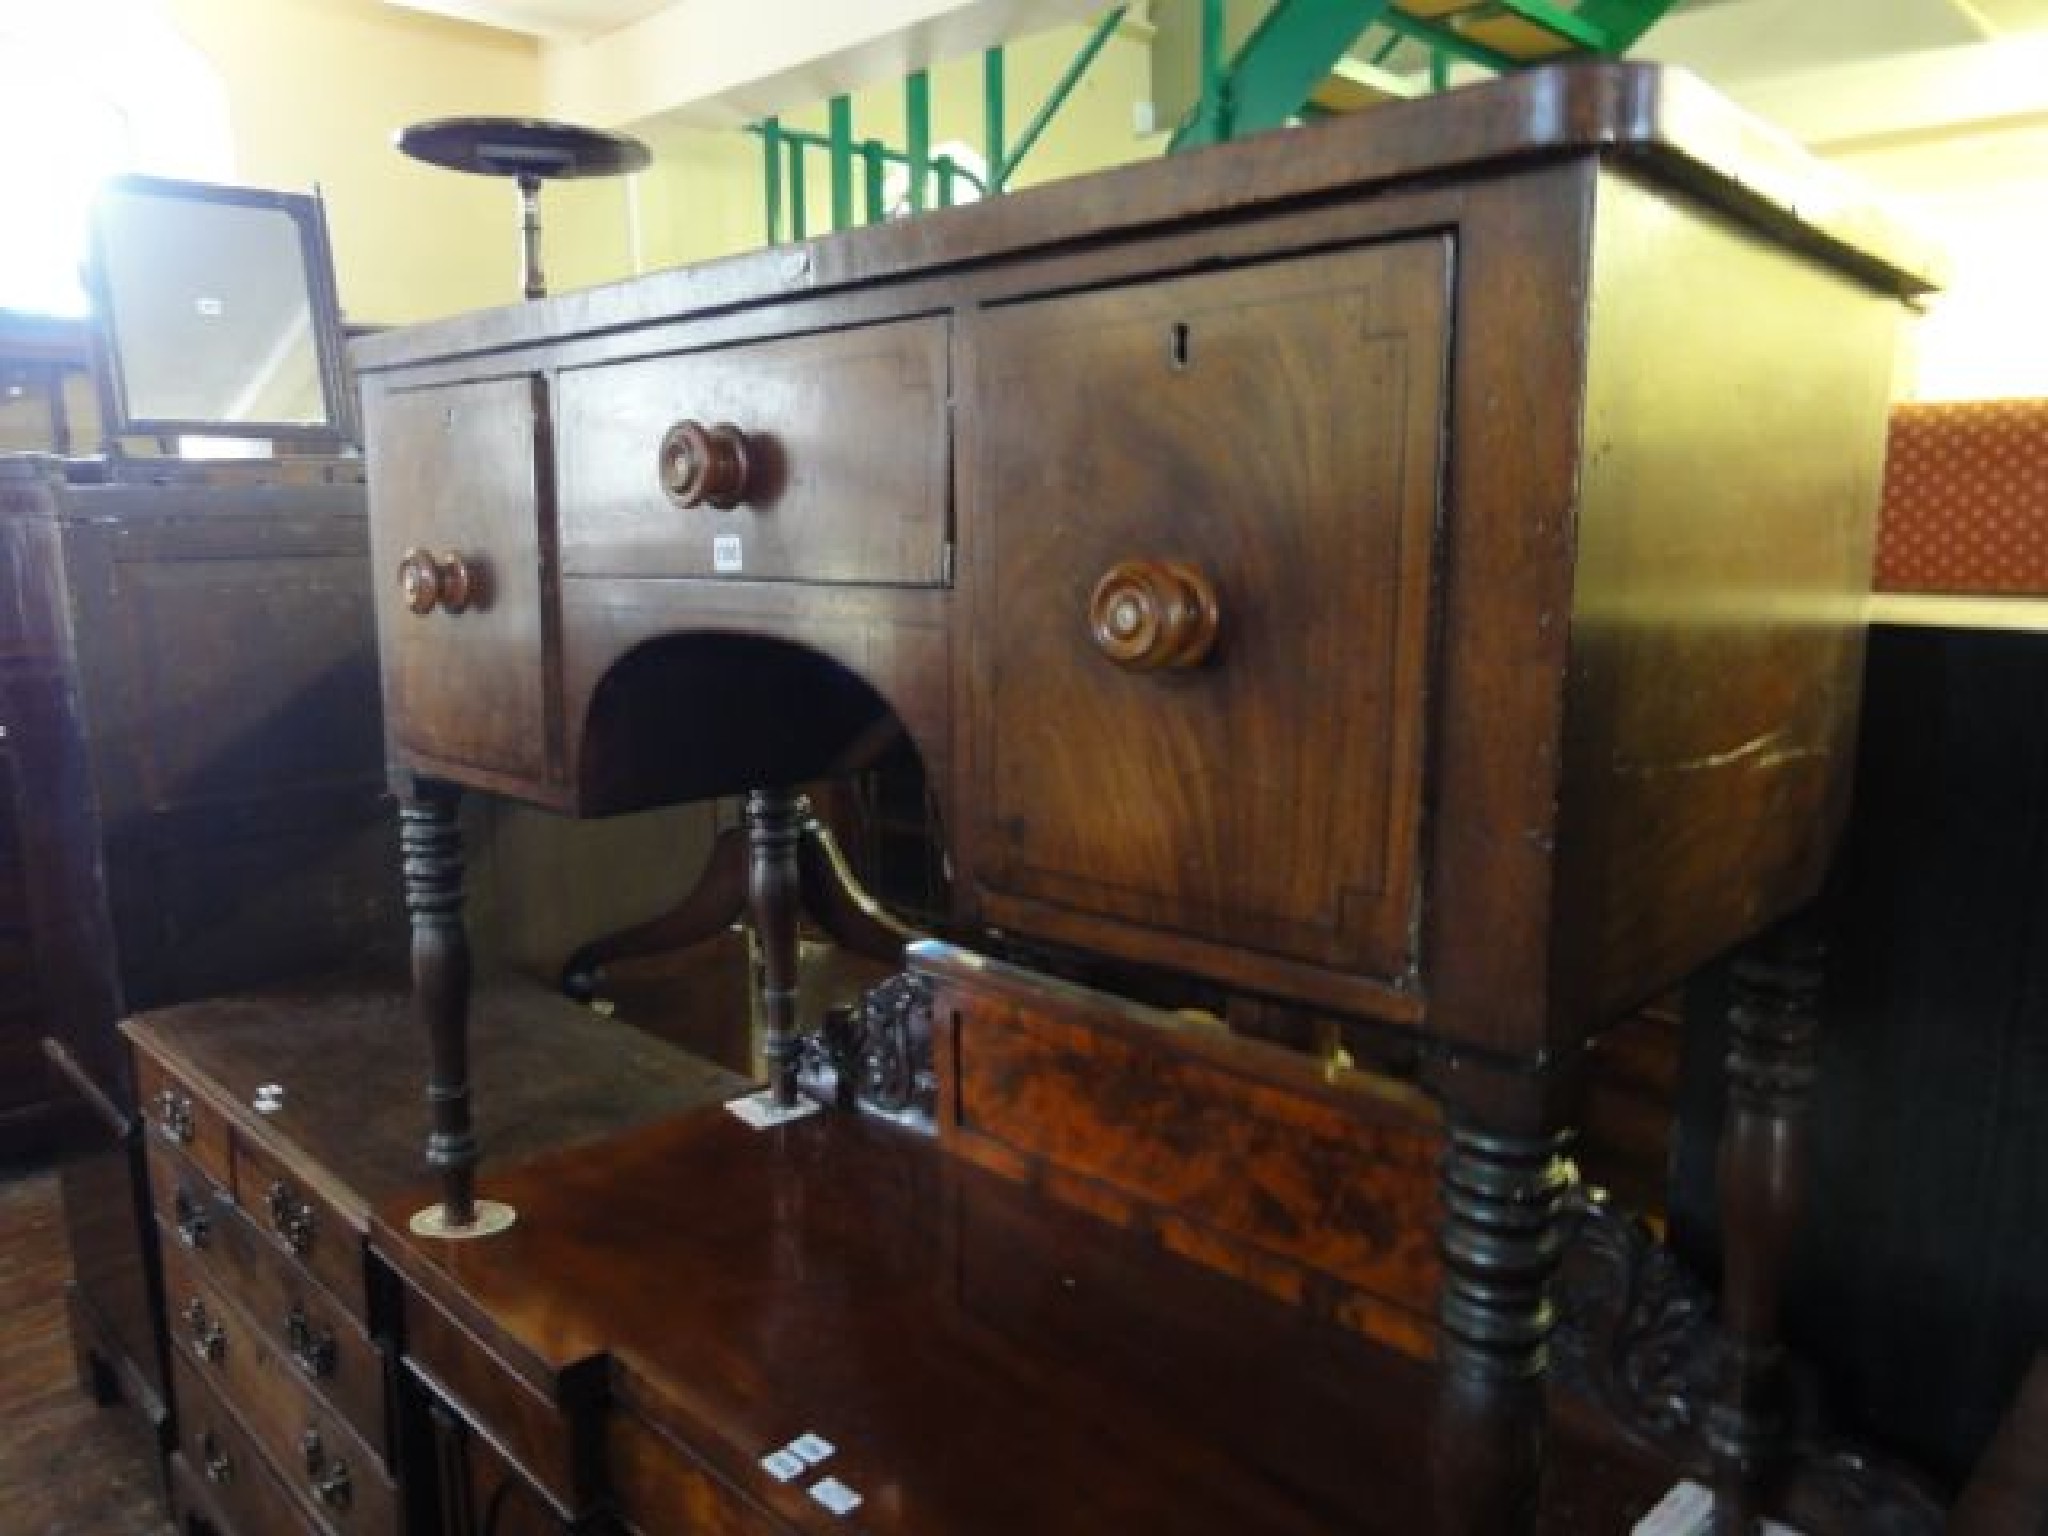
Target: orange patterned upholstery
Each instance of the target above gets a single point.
(1966, 499)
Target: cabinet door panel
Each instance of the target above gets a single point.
(468, 687)
(1277, 430)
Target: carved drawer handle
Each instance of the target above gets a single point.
(329, 1480)
(312, 1349)
(213, 1461)
(209, 1339)
(448, 582)
(702, 465)
(291, 1217)
(174, 1117)
(191, 1220)
(1150, 614)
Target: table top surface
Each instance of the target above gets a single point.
(1665, 122)
(982, 1359)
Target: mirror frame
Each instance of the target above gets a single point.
(317, 263)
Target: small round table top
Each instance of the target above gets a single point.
(522, 146)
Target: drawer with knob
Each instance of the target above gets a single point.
(305, 1441)
(176, 1117)
(218, 1475)
(463, 588)
(1191, 628)
(821, 458)
(300, 1223)
(318, 1337)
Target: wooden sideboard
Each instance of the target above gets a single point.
(1409, 570)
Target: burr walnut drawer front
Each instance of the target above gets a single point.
(178, 1117)
(1198, 538)
(219, 1456)
(309, 1444)
(301, 1224)
(819, 458)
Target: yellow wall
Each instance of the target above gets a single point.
(703, 195)
(316, 88)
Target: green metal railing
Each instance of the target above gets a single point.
(1300, 42)
(859, 168)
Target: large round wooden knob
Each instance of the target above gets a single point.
(1149, 614)
(703, 465)
(447, 582)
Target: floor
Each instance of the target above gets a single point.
(68, 1467)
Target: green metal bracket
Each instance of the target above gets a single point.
(1001, 170)
(1297, 44)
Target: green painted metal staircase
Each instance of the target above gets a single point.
(1304, 58)
(1293, 64)
(859, 168)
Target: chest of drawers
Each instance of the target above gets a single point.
(282, 1334)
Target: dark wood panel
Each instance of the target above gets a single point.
(1717, 630)
(847, 460)
(448, 688)
(547, 1445)
(328, 1468)
(302, 1225)
(321, 1340)
(222, 1456)
(1171, 795)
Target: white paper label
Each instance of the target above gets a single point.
(726, 554)
(813, 1448)
(836, 1496)
(1688, 1510)
(783, 1465)
(760, 1110)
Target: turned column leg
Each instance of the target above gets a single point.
(1774, 1025)
(1503, 1234)
(432, 846)
(775, 822)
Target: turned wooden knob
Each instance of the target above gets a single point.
(447, 582)
(704, 465)
(1149, 614)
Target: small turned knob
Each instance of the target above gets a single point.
(704, 465)
(1149, 614)
(447, 582)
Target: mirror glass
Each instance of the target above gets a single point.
(214, 310)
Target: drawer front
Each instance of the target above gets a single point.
(314, 1335)
(838, 472)
(535, 1434)
(1201, 527)
(310, 1445)
(226, 1467)
(456, 476)
(661, 1488)
(192, 1212)
(178, 1117)
(303, 1227)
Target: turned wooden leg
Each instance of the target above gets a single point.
(432, 844)
(1503, 1234)
(1774, 1026)
(775, 820)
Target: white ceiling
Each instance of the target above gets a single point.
(554, 20)
(1730, 41)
